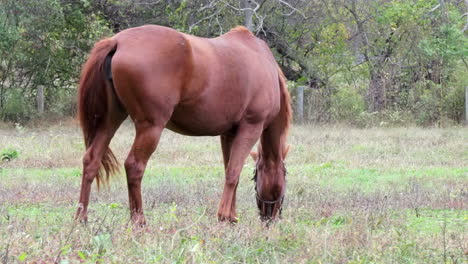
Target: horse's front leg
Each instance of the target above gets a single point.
(244, 139)
(146, 141)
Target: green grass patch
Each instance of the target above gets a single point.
(371, 179)
(433, 221)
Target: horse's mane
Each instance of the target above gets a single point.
(240, 29)
(286, 109)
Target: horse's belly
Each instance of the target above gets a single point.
(195, 123)
(190, 130)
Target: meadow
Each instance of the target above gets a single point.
(376, 195)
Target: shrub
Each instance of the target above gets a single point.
(9, 154)
(347, 105)
(433, 103)
(17, 107)
(453, 104)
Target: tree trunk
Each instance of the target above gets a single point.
(443, 8)
(466, 25)
(435, 71)
(248, 14)
(376, 93)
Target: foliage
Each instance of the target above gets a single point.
(407, 56)
(8, 154)
(347, 104)
(46, 43)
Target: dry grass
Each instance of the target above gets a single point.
(61, 145)
(382, 195)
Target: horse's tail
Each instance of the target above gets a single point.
(95, 98)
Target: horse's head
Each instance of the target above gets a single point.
(270, 184)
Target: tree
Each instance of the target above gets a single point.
(44, 46)
(392, 56)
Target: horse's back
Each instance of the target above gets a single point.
(204, 86)
(235, 79)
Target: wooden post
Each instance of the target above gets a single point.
(466, 105)
(300, 104)
(40, 99)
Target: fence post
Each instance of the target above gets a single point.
(40, 99)
(300, 104)
(466, 105)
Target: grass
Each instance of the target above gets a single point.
(381, 195)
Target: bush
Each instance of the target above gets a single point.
(433, 103)
(424, 102)
(8, 154)
(17, 107)
(454, 103)
(427, 109)
(347, 105)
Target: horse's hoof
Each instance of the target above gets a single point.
(139, 225)
(80, 217)
(139, 221)
(231, 219)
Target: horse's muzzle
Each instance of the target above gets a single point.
(269, 209)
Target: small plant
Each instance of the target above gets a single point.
(8, 154)
(19, 128)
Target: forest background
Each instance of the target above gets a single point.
(362, 62)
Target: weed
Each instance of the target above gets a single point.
(8, 154)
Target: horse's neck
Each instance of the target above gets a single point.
(273, 141)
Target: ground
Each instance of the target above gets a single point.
(381, 195)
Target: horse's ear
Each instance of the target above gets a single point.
(285, 151)
(254, 156)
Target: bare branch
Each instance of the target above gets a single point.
(210, 5)
(257, 5)
(206, 18)
(242, 9)
(150, 3)
(294, 10)
(434, 8)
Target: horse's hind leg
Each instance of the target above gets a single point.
(146, 141)
(92, 162)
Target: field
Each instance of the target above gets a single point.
(380, 195)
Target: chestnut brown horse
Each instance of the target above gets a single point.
(229, 86)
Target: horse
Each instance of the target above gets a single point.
(229, 86)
